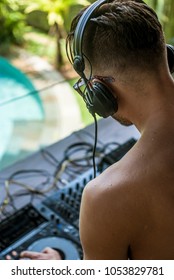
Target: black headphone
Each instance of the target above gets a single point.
(99, 99)
(170, 57)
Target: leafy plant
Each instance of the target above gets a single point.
(58, 11)
(165, 12)
(12, 21)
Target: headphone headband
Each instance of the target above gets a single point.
(78, 35)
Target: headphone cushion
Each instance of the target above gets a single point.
(170, 57)
(104, 103)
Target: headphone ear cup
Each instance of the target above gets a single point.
(104, 103)
(78, 64)
(170, 57)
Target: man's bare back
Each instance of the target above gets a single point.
(132, 203)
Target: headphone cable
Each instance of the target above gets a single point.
(95, 144)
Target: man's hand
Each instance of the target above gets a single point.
(46, 254)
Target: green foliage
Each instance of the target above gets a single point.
(12, 21)
(57, 10)
(165, 12)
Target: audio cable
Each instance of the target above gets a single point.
(95, 145)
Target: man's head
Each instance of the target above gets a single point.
(123, 40)
(122, 36)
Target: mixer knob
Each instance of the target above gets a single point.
(77, 186)
(70, 191)
(52, 216)
(84, 181)
(62, 196)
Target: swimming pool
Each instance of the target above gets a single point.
(18, 111)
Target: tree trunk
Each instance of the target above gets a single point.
(59, 55)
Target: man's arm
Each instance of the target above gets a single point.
(104, 226)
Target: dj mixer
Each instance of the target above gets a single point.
(55, 221)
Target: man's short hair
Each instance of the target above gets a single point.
(122, 34)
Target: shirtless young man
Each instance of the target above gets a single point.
(128, 211)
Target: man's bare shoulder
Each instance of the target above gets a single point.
(120, 192)
(119, 178)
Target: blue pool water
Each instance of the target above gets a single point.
(15, 108)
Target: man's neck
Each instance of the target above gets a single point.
(150, 103)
